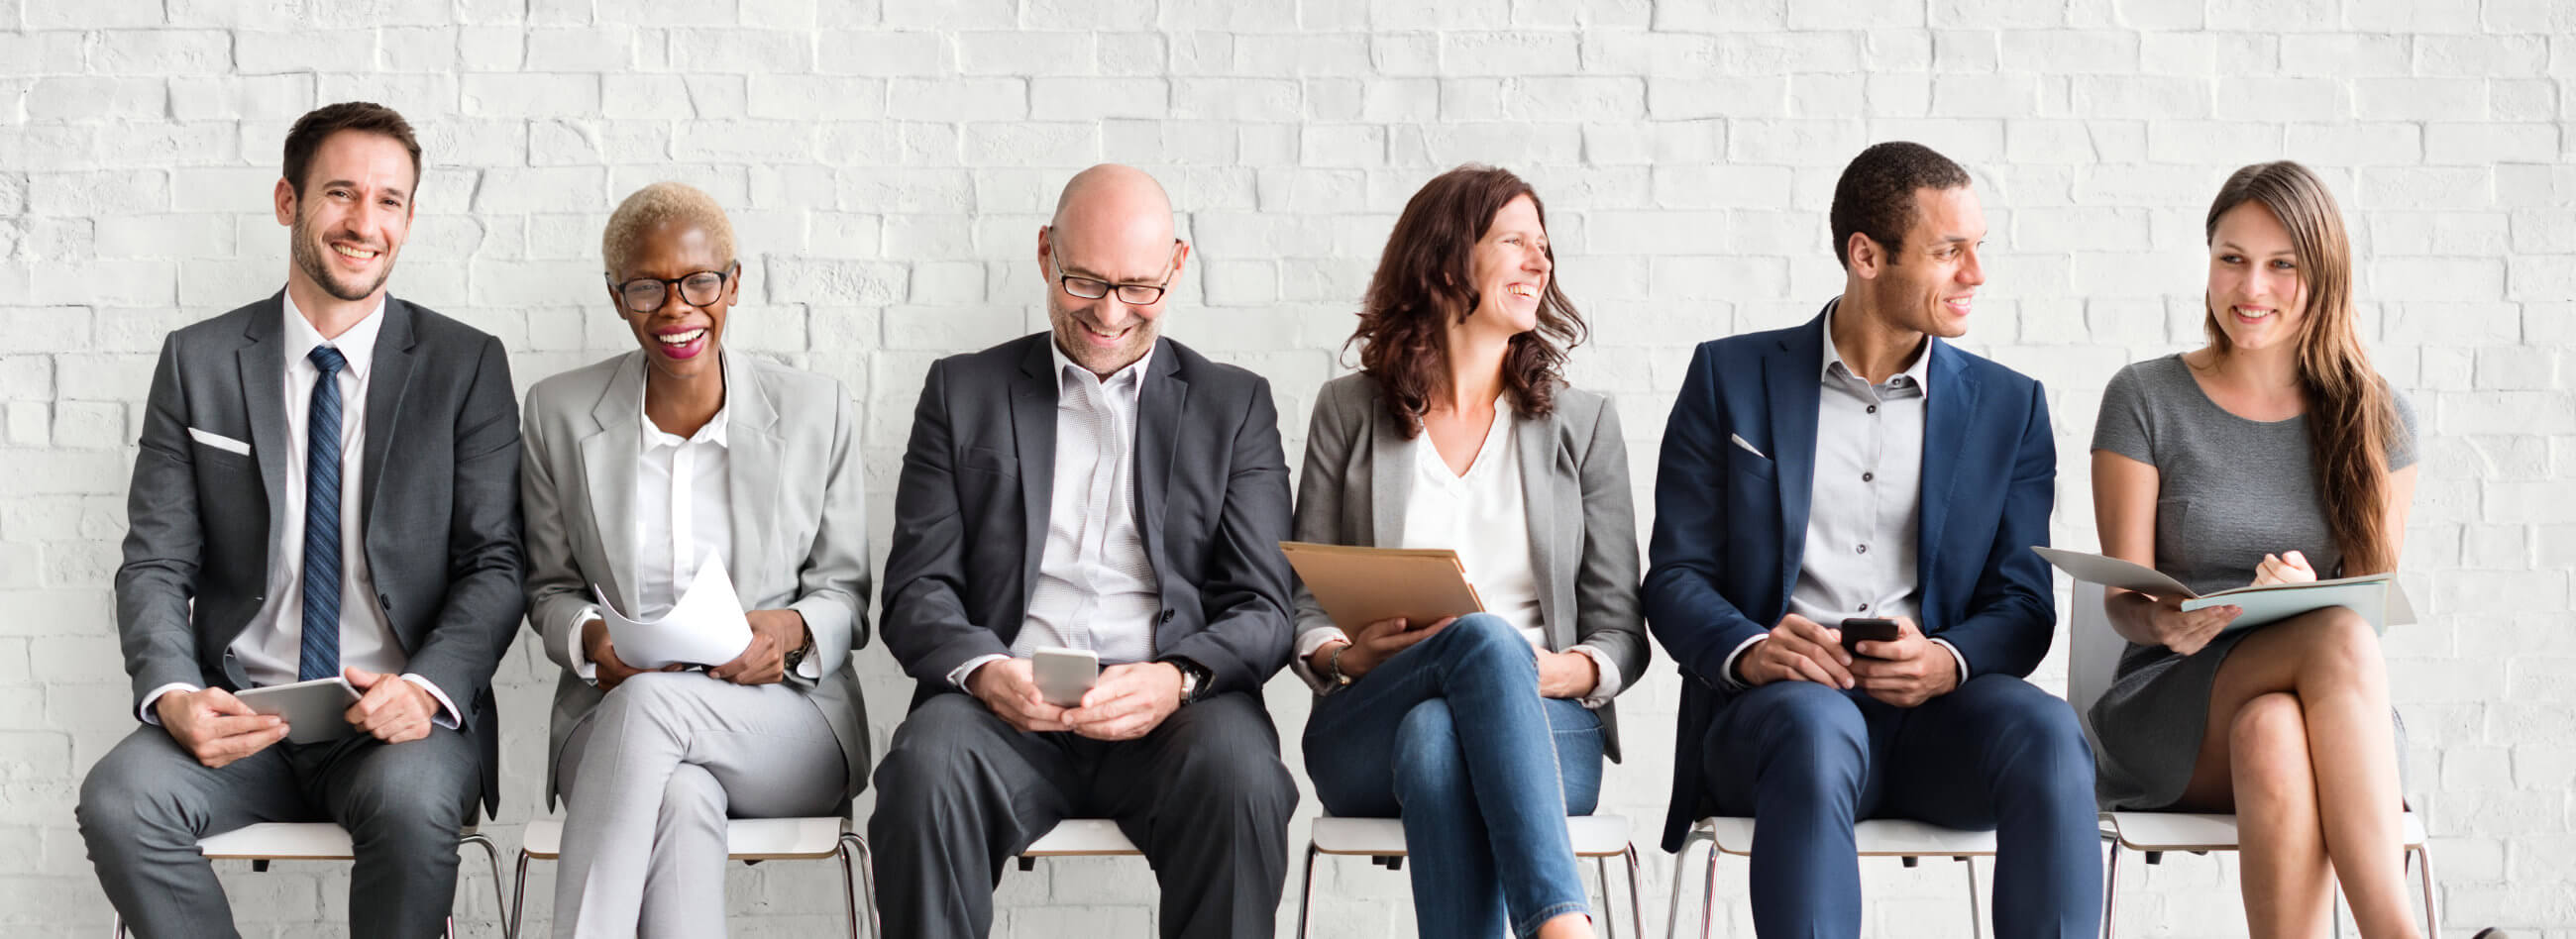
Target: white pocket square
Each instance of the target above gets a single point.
(220, 442)
(1748, 448)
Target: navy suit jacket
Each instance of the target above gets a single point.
(1731, 526)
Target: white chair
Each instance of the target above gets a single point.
(749, 840)
(2092, 662)
(1381, 840)
(1907, 840)
(1079, 837)
(316, 841)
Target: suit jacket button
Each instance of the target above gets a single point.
(1166, 617)
(385, 600)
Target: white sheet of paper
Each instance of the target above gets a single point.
(705, 628)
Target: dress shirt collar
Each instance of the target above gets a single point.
(1133, 375)
(714, 431)
(358, 344)
(1919, 370)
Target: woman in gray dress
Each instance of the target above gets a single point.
(2275, 453)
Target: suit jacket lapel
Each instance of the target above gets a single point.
(754, 452)
(385, 393)
(1033, 435)
(1542, 497)
(1792, 375)
(1391, 470)
(262, 360)
(608, 458)
(1165, 396)
(1952, 398)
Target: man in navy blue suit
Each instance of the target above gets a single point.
(1859, 467)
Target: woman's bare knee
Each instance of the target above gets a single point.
(2339, 647)
(2268, 750)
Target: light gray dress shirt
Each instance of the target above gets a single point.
(1096, 589)
(1865, 518)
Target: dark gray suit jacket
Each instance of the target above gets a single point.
(1574, 481)
(439, 506)
(971, 513)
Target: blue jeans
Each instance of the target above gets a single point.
(1452, 736)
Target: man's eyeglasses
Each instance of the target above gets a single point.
(1093, 288)
(647, 294)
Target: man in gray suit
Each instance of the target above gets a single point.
(327, 486)
(1099, 488)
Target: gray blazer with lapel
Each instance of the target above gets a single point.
(1574, 478)
(440, 511)
(799, 522)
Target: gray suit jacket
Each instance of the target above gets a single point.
(799, 525)
(978, 476)
(440, 508)
(1574, 478)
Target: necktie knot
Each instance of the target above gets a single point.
(328, 359)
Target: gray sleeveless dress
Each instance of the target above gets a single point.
(2230, 490)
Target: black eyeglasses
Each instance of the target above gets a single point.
(1093, 288)
(647, 294)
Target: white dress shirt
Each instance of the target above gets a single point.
(1096, 589)
(683, 518)
(1865, 512)
(270, 648)
(1482, 515)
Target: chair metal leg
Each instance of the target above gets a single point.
(118, 932)
(1673, 909)
(1636, 893)
(491, 853)
(518, 896)
(1976, 915)
(1708, 892)
(853, 844)
(2110, 887)
(2432, 918)
(1306, 896)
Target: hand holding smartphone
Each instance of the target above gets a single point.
(1063, 675)
(1858, 630)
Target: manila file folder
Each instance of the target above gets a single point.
(1359, 586)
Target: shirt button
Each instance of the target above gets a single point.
(1864, 608)
(1873, 409)
(1860, 549)
(1867, 476)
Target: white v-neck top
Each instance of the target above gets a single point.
(1482, 516)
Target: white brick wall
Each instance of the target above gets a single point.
(887, 161)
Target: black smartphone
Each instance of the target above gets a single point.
(1858, 630)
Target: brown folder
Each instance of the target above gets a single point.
(1359, 586)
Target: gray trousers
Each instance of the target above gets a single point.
(1204, 796)
(145, 804)
(649, 778)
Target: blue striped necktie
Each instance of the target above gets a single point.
(321, 653)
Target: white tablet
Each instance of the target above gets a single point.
(315, 710)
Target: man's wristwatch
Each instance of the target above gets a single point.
(1333, 667)
(796, 656)
(1194, 678)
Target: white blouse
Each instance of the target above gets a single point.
(1484, 517)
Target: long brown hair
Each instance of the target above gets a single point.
(1424, 282)
(2352, 416)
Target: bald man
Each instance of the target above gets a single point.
(1092, 487)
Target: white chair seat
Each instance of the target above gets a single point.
(2183, 831)
(1082, 837)
(280, 841)
(1877, 837)
(746, 839)
(1594, 836)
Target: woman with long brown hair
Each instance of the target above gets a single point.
(1482, 732)
(2275, 453)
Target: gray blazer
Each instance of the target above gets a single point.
(440, 505)
(1574, 478)
(799, 523)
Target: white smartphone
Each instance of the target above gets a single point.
(315, 710)
(1064, 674)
